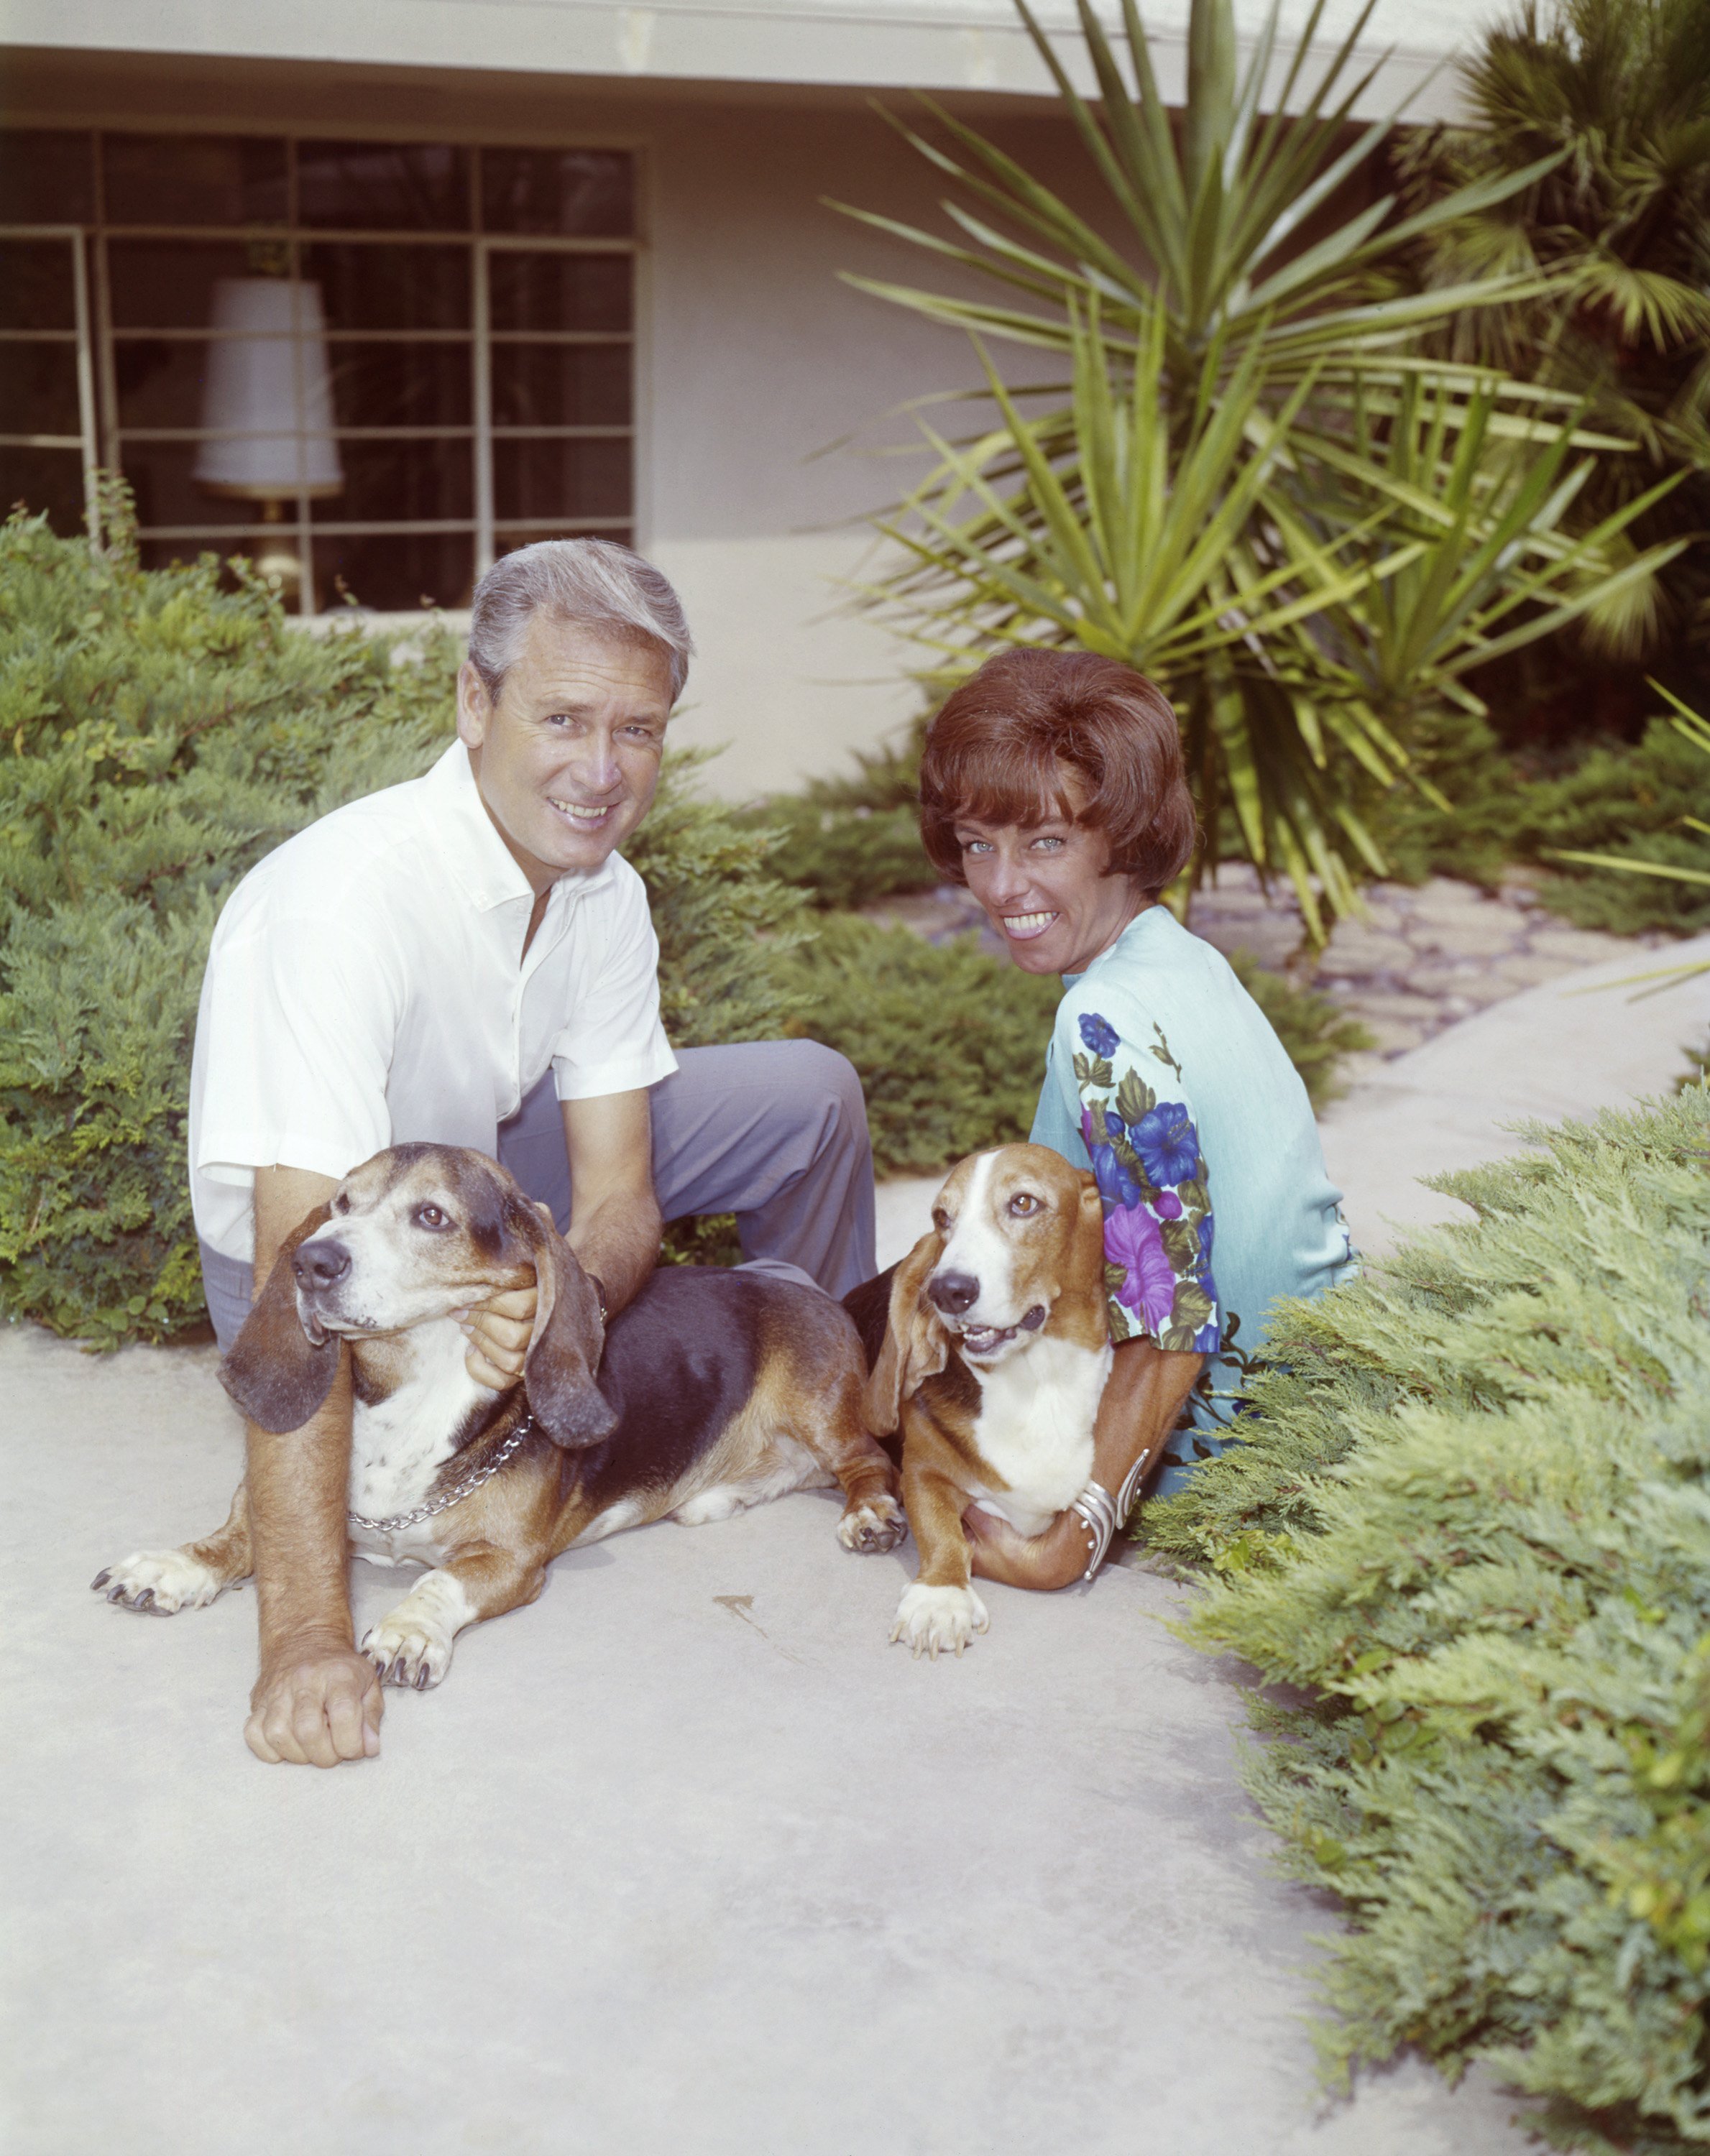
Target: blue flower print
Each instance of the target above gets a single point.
(1168, 1143)
(1100, 1035)
(1115, 1185)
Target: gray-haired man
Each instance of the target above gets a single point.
(468, 959)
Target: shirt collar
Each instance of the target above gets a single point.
(1136, 932)
(467, 842)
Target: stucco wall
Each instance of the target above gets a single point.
(754, 362)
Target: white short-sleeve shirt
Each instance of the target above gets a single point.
(366, 987)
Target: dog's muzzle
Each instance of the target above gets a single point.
(984, 1339)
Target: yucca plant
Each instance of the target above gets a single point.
(1240, 460)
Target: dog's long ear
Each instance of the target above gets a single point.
(565, 1345)
(275, 1373)
(1086, 1257)
(914, 1347)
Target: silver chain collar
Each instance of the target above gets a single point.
(451, 1497)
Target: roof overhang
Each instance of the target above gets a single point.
(949, 46)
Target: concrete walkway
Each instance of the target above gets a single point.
(683, 1859)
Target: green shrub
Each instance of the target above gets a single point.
(849, 839)
(1638, 804)
(1471, 1518)
(844, 857)
(950, 1043)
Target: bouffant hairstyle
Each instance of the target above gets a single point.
(993, 754)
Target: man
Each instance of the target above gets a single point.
(468, 959)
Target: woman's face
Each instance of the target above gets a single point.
(1044, 888)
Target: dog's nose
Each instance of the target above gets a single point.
(953, 1293)
(320, 1264)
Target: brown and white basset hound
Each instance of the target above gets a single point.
(716, 1390)
(993, 1355)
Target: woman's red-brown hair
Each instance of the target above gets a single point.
(993, 754)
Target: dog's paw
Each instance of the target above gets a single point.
(162, 1582)
(410, 1647)
(874, 1526)
(931, 1619)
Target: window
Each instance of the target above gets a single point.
(391, 361)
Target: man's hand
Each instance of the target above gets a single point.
(1056, 1558)
(317, 1702)
(498, 1332)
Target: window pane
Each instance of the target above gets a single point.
(566, 527)
(381, 186)
(558, 291)
(395, 576)
(561, 479)
(166, 493)
(396, 481)
(160, 382)
(168, 284)
(578, 192)
(561, 385)
(39, 389)
(39, 479)
(401, 385)
(193, 179)
(35, 286)
(376, 287)
(46, 176)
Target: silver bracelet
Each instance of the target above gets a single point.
(1102, 1515)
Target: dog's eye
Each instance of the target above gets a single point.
(1024, 1203)
(430, 1216)
(941, 1220)
(341, 1204)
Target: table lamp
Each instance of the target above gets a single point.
(267, 406)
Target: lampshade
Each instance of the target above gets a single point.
(269, 393)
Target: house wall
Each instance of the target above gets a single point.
(756, 364)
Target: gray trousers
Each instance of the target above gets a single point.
(772, 1131)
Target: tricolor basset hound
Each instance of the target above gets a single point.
(993, 1356)
(716, 1390)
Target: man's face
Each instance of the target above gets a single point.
(567, 759)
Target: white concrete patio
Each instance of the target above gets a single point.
(686, 1857)
(661, 1867)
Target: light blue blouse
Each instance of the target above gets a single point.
(1165, 1079)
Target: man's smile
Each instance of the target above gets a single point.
(579, 813)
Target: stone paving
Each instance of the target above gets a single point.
(1423, 958)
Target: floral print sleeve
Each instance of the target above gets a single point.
(1144, 1146)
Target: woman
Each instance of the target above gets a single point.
(1051, 785)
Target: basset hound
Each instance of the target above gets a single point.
(992, 1357)
(716, 1390)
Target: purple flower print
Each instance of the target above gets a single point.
(1132, 1240)
(1167, 1205)
(1100, 1035)
(1168, 1143)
